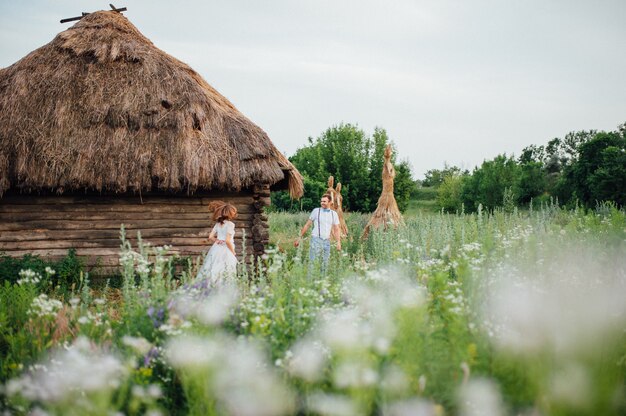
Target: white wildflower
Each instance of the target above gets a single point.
(411, 407)
(480, 398)
(571, 386)
(139, 344)
(216, 307)
(192, 352)
(42, 306)
(308, 361)
(332, 405)
(73, 372)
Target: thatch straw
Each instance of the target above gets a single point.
(387, 212)
(101, 108)
(336, 204)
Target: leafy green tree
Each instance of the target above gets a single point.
(404, 185)
(572, 142)
(308, 160)
(532, 153)
(379, 143)
(435, 177)
(531, 181)
(313, 189)
(355, 160)
(487, 184)
(599, 173)
(345, 152)
(449, 193)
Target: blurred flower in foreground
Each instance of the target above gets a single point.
(480, 397)
(210, 305)
(234, 371)
(139, 344)
(412, 407)
(576, 304)
(571, 386)
(332, 405)
(70, 375)
(367, 321)
(308, 360)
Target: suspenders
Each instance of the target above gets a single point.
(319, 224)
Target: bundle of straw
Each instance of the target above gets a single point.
(387, 212)
(336, 204)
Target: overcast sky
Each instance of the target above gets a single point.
(450, 81)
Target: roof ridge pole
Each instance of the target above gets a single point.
(73, 19)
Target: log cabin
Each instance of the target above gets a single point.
(100, 128)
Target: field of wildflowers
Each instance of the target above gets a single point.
(484, 314)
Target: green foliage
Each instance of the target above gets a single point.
(379, 143)
(449, 193)
(599, 172)
(488, 183)
(404, 185)
(404, 308)
(584, 167)
(424, 193)
(352, 158)
(531, 181)
(68, 269)
(313, 190)
(423, 199)
(435, 177)
(17, 349)
(11, 266)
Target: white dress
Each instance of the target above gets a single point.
(220, 263)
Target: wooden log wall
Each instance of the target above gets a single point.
(260, 226)
(49, 226)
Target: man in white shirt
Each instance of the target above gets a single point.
(325, 223)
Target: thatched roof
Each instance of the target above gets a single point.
(101, 108)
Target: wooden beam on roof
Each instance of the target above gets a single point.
(72, 19)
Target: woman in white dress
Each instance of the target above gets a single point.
(220, 263)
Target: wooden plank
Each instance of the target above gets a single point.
(49, 225)
(110, 224)
(147, 234)
(94, 243)
(102, 251)
(124, 199)
(115, 241)
(172, 208)
(102, 216)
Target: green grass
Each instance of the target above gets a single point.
(524, 309)
(423, 200)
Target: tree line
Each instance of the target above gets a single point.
(585, 167)
(353, 158)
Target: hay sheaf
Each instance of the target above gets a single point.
(336, 204)
(101, 108)
(387, 213)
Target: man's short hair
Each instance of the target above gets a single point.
(327, 196)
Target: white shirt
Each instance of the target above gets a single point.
(323, 221)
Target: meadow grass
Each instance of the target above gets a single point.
(488, 313)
